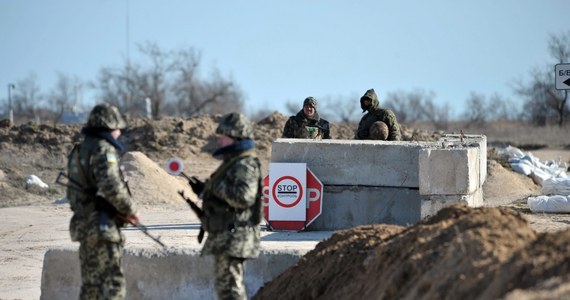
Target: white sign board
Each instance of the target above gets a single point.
(562, 76)
(287, 191)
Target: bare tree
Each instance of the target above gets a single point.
(128, 87)
(186, 86)
(172, 84)
(476, 110)
(538, 106)
(418, 106)
(66, 95)
(559, 48)
(343, 109)
(500, 108)
(214, 96)
(152, 82)
(542, 87)
(222, 95)
(27, 97)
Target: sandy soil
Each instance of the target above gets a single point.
(34, 220)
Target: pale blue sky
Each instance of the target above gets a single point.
(280, 51)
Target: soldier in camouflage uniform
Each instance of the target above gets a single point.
(307, 124)
(369, 102)
(101, 203)
(232, 205)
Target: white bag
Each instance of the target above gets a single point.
(549, 204)
(556, 186)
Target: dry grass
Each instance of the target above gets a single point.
(514, 133)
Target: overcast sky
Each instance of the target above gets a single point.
(279, 51)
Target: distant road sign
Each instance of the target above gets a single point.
(562, 76)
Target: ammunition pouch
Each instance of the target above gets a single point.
(220, 218)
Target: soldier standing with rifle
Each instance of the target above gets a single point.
(232, 207)
(101, 204)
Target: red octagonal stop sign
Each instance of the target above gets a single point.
(314, 188)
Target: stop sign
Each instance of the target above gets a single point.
(314, 189)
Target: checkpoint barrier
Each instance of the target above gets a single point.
(176, 274)
(373, 182)
(311, 190)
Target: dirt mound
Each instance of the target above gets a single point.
(503, 185)
(169, 136)
(151, 185)
(191, 139)
(460, 253)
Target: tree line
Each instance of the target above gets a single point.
(169, 83)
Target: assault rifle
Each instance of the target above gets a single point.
(197, 210)
(105, 205)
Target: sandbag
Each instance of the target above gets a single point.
(549, 204)
(556, 186)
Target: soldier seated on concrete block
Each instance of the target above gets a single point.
(371, 105)
(307, 124)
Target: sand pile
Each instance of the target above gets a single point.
(460, 253)
(502, 185)
(150, 184)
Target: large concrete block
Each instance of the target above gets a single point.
(354, 162)
(431, 204)
(154, 274)
(449, 171)
(471, 140)
(349, 206)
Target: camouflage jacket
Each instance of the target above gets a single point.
(299, 126)
(94, 165)
(232, 207)
(379, 114)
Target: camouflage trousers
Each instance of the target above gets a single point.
(101, 270)
(229, 277)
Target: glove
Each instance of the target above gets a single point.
(196, 184)
(134, 219)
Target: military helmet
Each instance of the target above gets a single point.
(310, 101)
(235, 125)
(379, 131)
(106, 116)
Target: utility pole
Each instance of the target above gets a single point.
(128, 82)
(10, 111)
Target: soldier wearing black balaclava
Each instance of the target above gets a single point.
(370, 104)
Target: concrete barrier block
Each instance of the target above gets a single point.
(157, 274)
(350, 206)
(354, 162)
(431, 204)
(449, 171)
(61, 276)
(472, 140)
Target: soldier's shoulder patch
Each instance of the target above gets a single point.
(111, 158)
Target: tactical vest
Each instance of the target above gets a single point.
(219, 216)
